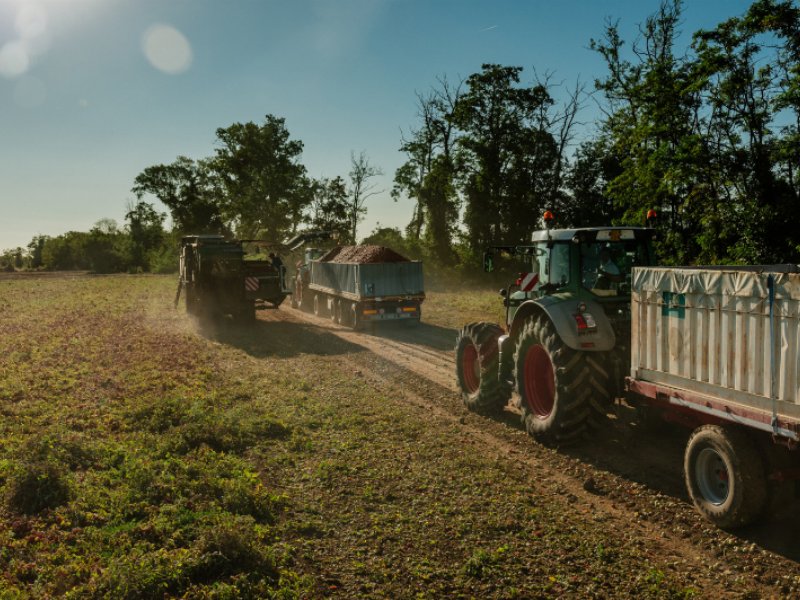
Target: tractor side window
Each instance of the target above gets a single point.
(540, 262)
(559, 264)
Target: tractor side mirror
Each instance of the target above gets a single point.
(488, 262)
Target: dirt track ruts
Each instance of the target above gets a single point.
(630, 477)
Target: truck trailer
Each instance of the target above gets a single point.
(716, 349)
(356, 285)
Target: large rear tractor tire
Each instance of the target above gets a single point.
(725, 476)
(477, 367)
(562, 391)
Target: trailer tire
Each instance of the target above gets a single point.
(562, 390)
(483, 390)
(725, 476)
(346, 313)
(355, 319)
(336, 310)
(319, 299)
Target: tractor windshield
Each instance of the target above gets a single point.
(606, 266)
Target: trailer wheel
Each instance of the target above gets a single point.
(562, 390)
(725, 476)
(345, 313)
(478, 369)
(319, 305)
(336, 310)
(355, 318)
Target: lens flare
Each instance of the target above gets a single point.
(167, 49)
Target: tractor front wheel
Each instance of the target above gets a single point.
(483, 388)
(562, 391)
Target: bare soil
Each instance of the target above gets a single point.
(627, 479)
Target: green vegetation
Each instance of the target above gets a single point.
(141, 458)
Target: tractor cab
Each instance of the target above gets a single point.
(586, 264)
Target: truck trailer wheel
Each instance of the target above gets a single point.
(336, 311)
(478, 370)
(319, 305)
(561, 397)
(725, 476)
(355, 316)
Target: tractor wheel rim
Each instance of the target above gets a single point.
(540, 389)
(471, 369)
(713, 480)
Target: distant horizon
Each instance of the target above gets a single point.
(92, 92)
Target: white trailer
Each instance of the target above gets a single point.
(718, 350)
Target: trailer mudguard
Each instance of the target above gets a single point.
(561, 313)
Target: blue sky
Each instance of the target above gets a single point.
(94, 91)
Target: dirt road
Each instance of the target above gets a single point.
(628, 478)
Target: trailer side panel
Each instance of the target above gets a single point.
(718, 333)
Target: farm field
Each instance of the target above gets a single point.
(142, 456)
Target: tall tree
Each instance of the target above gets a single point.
(428, 175)
(145, 227)
(329, 210)
(653, 124)
(752, 66)
(362, 188)
(187, 190)
(264, 186)
(509, 160)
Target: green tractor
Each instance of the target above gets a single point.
(566, 344)
(220, 279)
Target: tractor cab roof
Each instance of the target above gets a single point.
(592, 234)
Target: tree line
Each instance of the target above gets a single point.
(707, 134)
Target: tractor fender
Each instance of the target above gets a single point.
(561, 312)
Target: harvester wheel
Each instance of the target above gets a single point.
(190, 297)
(246, 313)
(478, 369)
(725, 476)
(562, 390)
